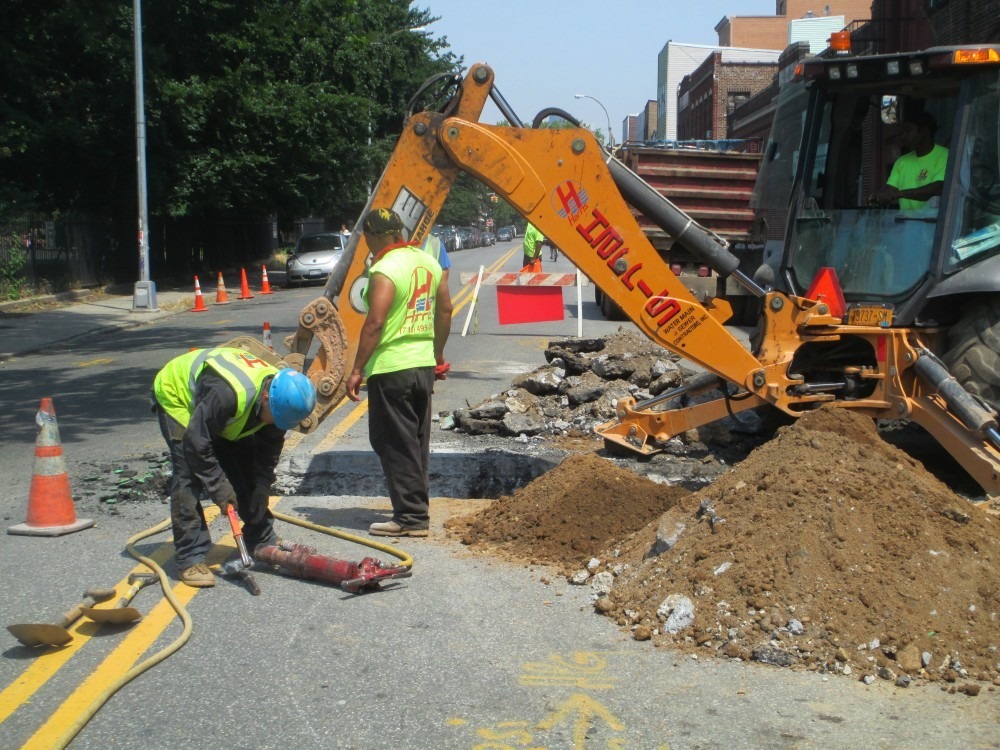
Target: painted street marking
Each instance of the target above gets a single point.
(93, 362)
(584, 671)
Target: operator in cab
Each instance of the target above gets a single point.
(224, 413)
(918, 175)
(401, 353)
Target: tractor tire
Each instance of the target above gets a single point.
(973, 355)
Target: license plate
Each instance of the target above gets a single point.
(879, 316)
(315, 272)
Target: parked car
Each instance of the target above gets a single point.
(488, 239)
(449, 238)
(470, 236)
(505, 234)
(314, 257)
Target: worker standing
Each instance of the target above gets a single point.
(224, 413)
(533, 240)
(401, 351)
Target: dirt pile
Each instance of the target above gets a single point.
(826, 549)
(568, 515)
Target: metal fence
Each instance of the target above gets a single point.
(67, 253)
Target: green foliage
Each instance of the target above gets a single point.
(13, 256)
(253, 107)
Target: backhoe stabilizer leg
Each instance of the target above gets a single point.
(634, 429)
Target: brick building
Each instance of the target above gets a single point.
(726, 79)
(771, 32)
(647, 122)
(630, 129)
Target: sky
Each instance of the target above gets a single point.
(543, 52)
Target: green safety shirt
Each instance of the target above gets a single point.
(912, 171)
(408, 334)
(175, 385)
(532, 242)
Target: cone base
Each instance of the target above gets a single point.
(198, 309)
(24, 529)
(227, 302)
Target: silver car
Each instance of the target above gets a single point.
(314, 257)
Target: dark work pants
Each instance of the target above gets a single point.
(191, 538)
(399, 429)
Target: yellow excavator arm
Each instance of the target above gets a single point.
(577, 195)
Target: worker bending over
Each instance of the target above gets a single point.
(224, 413)
(401, 352)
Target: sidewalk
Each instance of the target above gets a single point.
(32, 325)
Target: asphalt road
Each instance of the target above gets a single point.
(468, 653)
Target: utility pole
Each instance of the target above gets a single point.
(144, 293)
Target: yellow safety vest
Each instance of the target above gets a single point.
(175, 384)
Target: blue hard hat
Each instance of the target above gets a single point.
(292, 398)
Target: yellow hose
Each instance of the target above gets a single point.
(406, 560)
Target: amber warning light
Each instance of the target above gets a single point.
(840, 42)
(983, 55)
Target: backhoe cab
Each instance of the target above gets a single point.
(866, 335)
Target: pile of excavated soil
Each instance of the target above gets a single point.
(825, 549)
(568, 515)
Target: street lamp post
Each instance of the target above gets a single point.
(144, 294)
(611, 135)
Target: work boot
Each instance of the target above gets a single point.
(391, 528)
(198, 576)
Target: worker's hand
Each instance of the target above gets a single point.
(441, 369)
(260, 496)
(225, 500)
(354, 386)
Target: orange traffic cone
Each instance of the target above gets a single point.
(221, 295)
(534, 267)
(267, 335)
(199, 301)
(244, 286)
(50, 502)
(265, 285)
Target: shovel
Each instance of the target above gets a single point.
(121, 613)
(41, 634)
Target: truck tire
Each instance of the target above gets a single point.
(973, 355)
(611, 310)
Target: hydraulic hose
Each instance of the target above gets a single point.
(406, 560)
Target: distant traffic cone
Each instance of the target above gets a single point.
(199, 301)
(265, 285)
(50, 502)
(267, 335)
(244, 286)
(221, 295)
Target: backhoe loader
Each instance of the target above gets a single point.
(888, 312)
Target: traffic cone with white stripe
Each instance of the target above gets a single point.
(199, 301)
(50, 502)
(265, 285)
(267, 336)
(221, 295)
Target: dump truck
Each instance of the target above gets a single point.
(887, 311)
(712, 182)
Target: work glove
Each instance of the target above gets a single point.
(226, 496)
(441, 369)
(260, 496)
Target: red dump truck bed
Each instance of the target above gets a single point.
(711, 186)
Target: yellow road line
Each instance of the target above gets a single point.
(465, 293)
(118, 662)
(51, 660)
(127, 653)
(342, 427)
(297, 437)
(98, 361)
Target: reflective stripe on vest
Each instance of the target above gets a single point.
(175, 388)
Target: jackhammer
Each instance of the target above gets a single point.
(303, 561)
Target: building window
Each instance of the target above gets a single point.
(735, 100)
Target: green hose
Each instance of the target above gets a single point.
(406, 560)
